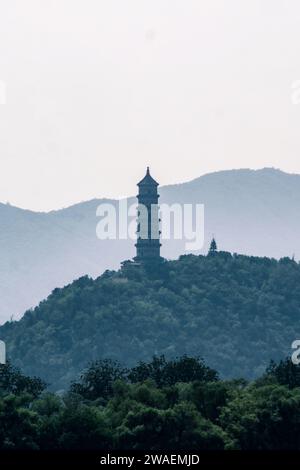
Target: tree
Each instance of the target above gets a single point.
(285, 372)
(178, 428)
(213, 247)
(166, 373)
(210, 398)
(13, 381)
(97, 381)
(19, 425)
(83, 427)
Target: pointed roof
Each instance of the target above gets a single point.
(147, 180)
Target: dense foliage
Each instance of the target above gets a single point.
(168, 410)
(236, 312)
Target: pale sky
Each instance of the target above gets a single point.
(96, 90)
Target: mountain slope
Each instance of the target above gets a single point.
(236, 312)
(251, 212)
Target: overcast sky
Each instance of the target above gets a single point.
(96, 90)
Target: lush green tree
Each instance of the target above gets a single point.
(178, 428)
(13, 381)
(285, 372)
(263, 418)
(164, 373)
(97, 380)
(210, 398)
(83, 427)
(19, 427)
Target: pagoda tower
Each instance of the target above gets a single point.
(148, 233)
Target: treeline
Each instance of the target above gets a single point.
(237, 312)
(160, 405)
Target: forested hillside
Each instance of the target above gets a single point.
(236, 312)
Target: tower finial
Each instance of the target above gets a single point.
(148, 171)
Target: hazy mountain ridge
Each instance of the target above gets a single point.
(251, 212)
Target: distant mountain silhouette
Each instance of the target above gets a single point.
(250, 212)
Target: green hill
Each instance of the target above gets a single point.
(40, 251)
(236, 312)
